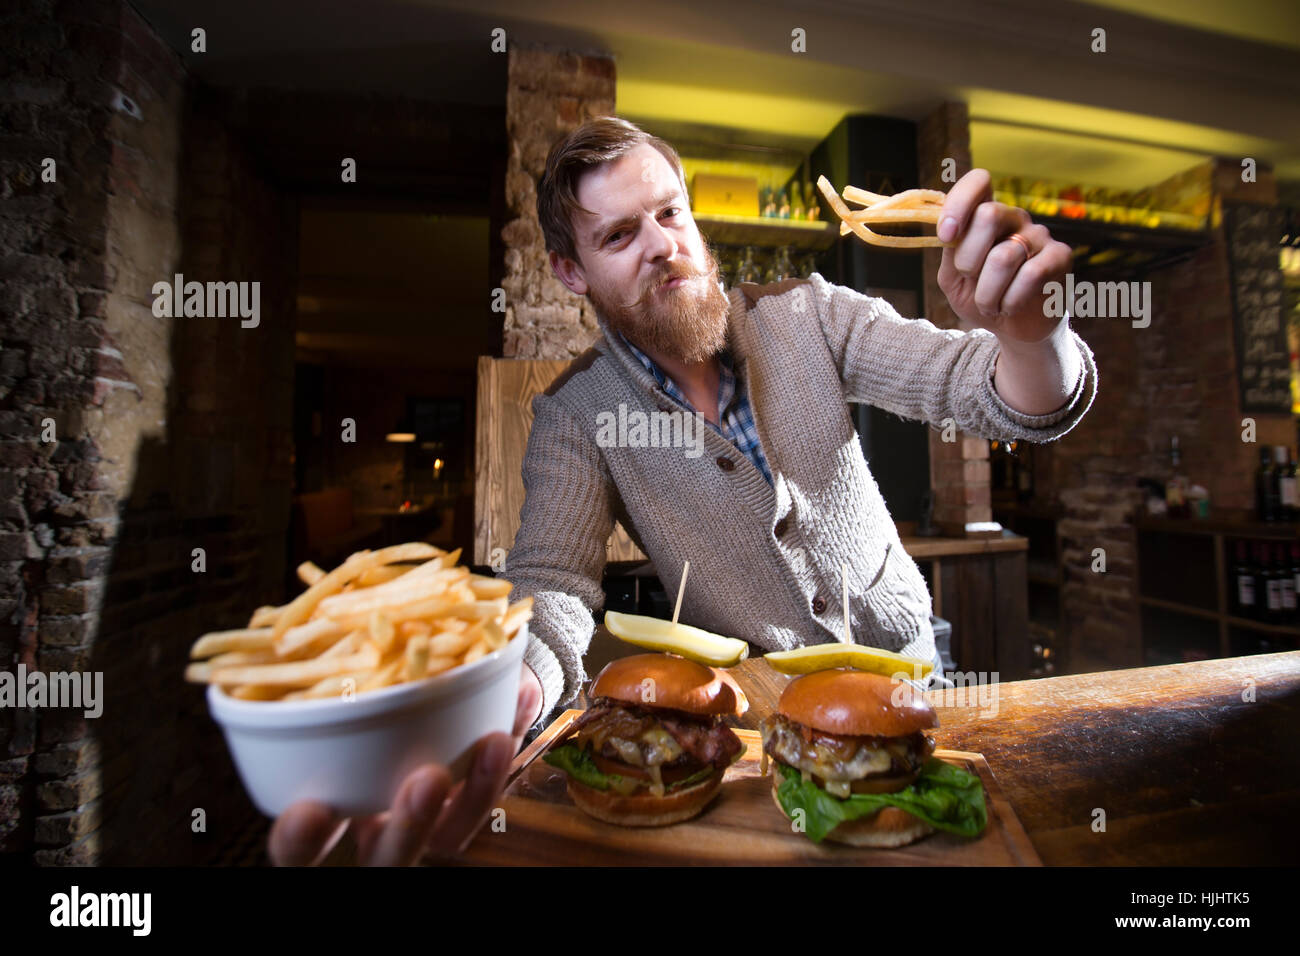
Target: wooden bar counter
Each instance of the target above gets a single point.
(1187, 772)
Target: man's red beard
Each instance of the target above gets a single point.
(688, 323)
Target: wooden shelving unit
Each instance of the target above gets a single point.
(1116, 249)
(1175, 558)
(800, 235)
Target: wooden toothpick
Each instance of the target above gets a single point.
(844, 568)
(681, 589)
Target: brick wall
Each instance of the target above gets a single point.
(171, 434)
(548, 93)
(62, 370)
(1176, 377)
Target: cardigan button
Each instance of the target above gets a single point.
(725, 463)
(782, 527)
(818, 604)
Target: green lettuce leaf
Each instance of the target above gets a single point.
(577, 763)
(946, 797)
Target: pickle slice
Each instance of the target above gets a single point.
(692, 643)
(824, 657)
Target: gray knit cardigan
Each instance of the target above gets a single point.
(765, 559)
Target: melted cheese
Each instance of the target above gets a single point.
(839, 788)
(656, 780)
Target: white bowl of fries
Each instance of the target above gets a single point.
(380, 666)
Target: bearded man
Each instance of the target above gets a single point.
(781, 497)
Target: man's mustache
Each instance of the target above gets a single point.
(682, 270)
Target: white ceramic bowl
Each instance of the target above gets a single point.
(353, 754)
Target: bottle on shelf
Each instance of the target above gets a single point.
(1284, 477)
(1176, 487)
(1272, 584)
(1287, 583)
(781, 264)
(1295, 487)
(747, 271)
(1265, 493)
(812, 207)
(796, 202)
(1244, 578)
(1294, 569)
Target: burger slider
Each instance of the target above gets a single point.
(853, 763)
(652, 748)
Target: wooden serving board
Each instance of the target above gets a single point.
(742, 826)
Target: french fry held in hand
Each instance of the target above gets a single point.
(380, 618)
(911, 205)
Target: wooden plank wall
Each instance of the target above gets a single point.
(506, 388)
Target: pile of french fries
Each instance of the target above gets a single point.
(380, 618)
(911, 205)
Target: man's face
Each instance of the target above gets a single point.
(643, 262)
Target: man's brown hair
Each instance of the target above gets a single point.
(600, 140)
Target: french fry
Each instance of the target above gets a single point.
(886, 210)
(386, 675)
(432, 607)
(231, 658)
(382, 631)
(494, 635)
(219, 642)
(441, 662)
(486, 588)
(256, 692)
(323, 631)
(300, 608)
(451, 643)
(417, 658)
(517, 614)
(297, 673)
(478, 610)
(350, 643)
(379, 619)
(333, 686)
(410, 587)
(412, 628)
(914, 196)
(384, 574)
(200, 673)
(264, 616)
(480, 648)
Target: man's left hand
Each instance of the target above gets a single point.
(991, 280)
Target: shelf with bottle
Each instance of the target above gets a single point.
(769, 233)
(739, 201)
(1097, 203)
(1263, 582)
(1276, 498)
(760, 264)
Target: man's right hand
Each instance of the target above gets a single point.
(429, 815)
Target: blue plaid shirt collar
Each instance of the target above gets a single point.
(735, 413)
